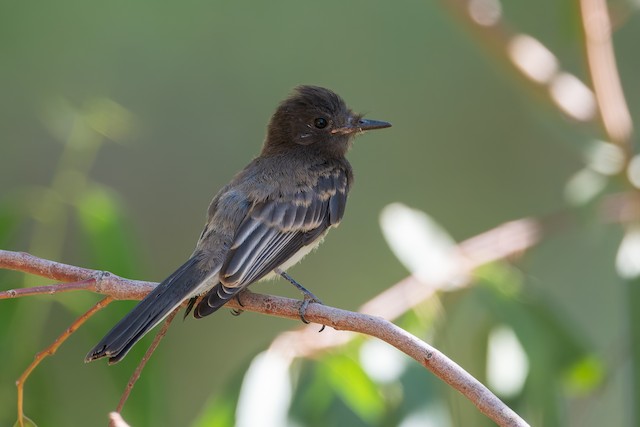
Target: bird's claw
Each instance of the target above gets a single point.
(308, 299)
(238, 311)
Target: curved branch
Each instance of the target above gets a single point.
(443, 367)
(614, 112)
(428, 356)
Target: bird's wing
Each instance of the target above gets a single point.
(273, 231)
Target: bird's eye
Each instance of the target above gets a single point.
(320, 123)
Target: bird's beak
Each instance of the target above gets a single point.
(361, 125)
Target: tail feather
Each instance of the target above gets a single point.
(160, 302)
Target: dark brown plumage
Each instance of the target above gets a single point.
(271, 214)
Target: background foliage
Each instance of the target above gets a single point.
(120, 120)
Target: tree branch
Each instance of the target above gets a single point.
(443, 367)
(428, 356)
(614, 112)
(51, 350)
(101, 282)
(136, 374)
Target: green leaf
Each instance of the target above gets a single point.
(584, 376)
(218, 412)
(547, 336)
(502, 278)
(354, 387)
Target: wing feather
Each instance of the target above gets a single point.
(274, 230)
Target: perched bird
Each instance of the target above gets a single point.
(271, 214)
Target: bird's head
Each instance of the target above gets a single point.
(316, 117)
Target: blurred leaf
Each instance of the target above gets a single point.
(313, 394)
(552, 344)
(554, 347)
(354, 387)
(108, 118)
(102, 221)
(584, 376)
(507, 281)
(633, 171)
(101, 115)
(265, 396)
(218, 412)
(546, 336)
(421, 244)
(628, 257)
(507, 362)
(382, 362)
(584, 186)
(604, 157)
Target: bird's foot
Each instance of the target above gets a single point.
(309, 297)
(238, 311)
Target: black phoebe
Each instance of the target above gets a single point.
(271, 214)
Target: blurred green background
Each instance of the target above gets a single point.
(120, 120)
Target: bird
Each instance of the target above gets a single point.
(267, 218)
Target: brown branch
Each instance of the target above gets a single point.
(101, 282)
(136, 374)
(85, 285)
(614, 112)
(375, 326)
(426, 355)
(504, 241)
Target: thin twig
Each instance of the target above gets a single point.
(136, 374)
(51, 350)
(85, 285)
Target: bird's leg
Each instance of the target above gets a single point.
(309, 297)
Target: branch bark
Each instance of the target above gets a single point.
(120, 288)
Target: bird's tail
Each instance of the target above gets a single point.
(217, 296)
(160, 302)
